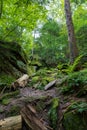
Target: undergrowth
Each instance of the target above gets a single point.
(6, 79)
(75, 82)
(78, 106)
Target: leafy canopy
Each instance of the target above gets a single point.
(18, 16)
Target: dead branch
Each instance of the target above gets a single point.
(49, 85)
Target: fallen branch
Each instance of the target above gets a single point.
(56, 82)
(49, 85)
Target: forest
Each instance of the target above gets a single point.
(43, 64)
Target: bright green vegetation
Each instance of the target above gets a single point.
(6, 79)
(43, 77)
(53, 112)
(76, 82)
(5, 99)
(34, 40)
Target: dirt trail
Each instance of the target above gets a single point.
(25, 96)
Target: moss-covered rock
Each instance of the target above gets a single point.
(12, 58)
(75, 121)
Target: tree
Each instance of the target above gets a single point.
(18, 17)
(51, 45)
(71, 33)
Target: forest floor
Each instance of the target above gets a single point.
(25, 96)
(49, 104)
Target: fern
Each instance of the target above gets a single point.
(73, 67)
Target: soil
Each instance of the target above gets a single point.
(25, 96)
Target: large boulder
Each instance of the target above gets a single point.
(12, 58)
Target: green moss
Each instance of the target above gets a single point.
(6, 79)
(10, 95)
(35, 79)
(74, 121)
(12, 59)
(15, 110)
(5, 101)
(53, 113)
(40, 105)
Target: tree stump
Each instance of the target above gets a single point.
(21, 82)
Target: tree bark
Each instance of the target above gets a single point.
(71, 34)
(11, 123)
(30, 119)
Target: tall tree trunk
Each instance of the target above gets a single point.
(71, 34)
